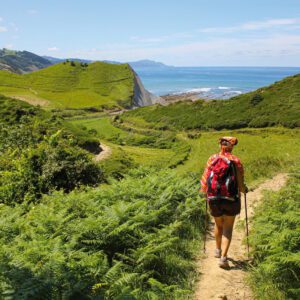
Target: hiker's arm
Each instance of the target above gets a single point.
(203, 179)
(240, 177)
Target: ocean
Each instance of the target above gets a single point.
(211, 82)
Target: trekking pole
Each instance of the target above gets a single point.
(205, 227)
(247, 229)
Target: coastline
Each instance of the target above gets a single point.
(192, 83)
(194, 96)
(189, 96)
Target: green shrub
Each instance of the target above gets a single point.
(39, 154)
(193, 135)
(49, 166)
(118, 165)
(257, 98)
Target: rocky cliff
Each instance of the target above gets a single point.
(141, 96)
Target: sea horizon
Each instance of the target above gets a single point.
(213, 82)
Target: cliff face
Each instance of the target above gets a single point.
(142, 97)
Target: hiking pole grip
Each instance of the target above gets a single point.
(247, 229)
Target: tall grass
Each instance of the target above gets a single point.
(275, 239)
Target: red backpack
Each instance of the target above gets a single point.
(222, 180)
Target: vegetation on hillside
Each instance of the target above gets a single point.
(263, 151)
(275, 239)
(39, 154)
(134, 146)
(72, 85)
(135, 239)
(278, 104)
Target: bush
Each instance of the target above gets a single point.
(38, 157)
(45, 168)
(257, 98)
(193, 135)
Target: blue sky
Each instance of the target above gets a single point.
(182, 33)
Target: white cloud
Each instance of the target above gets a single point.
(3, 29)
(280, 50)
(254, 25)
(163, 38)
(53, 49)
(32, 11)
(279, 47)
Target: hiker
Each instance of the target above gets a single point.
(223, 183)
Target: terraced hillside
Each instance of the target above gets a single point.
(76, 85)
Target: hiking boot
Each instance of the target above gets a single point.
(223, 262)
(218, 253)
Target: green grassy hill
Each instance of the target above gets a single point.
(72, 85)
(277, 104)
(21, 61)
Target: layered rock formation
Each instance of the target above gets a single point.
(141, 96)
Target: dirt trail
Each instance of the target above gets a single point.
(32, 101)
(105, 153)
(217, 283)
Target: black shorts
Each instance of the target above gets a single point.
(222, 207)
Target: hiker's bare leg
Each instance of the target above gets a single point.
(218, 231)
(227, 233)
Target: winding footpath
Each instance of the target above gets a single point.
(217, 283)
(105, 153)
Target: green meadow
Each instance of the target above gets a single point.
(263, 151)
(72, 85)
